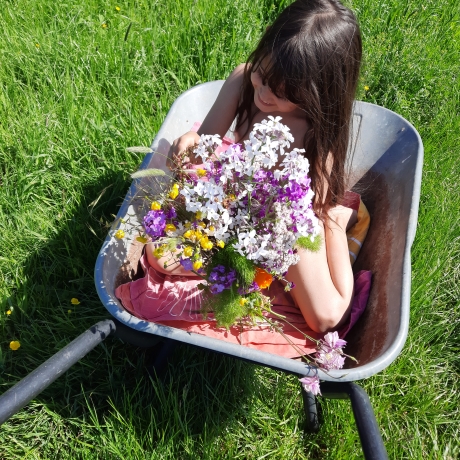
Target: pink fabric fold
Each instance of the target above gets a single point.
(176, 301)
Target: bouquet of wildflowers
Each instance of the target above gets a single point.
(238, 220)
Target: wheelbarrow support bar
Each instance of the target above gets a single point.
(24, 391)
(368, 429)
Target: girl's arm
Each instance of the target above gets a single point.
(219, 118)
(324, 280)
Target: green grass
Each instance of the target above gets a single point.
(68, 109)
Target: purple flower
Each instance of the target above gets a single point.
(216, 288)
(253, 287)
(154, 223)
(171, 213)
(330, 359)
(187, 263)
(332, 341)
(311, 384)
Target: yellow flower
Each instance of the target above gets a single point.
(187, 224)
(117, 8)
(188, 251)
(174, 192)
(104, 26)
(8, 312)
(197, 264)
(212, 228)
(232, 197)
(199, 215)
(221, 244)
(201, 224)
(243, 301)
(170, 228)
(37, 45)
(188, 234)
(141, 239)
(366, 88)
(14, 345)
(201, 172)
(74, 301)
(119, 234)
(155, 206)
(158, 252)
(69, 311)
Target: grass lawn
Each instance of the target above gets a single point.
(82, 80)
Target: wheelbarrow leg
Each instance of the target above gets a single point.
(158, 358)
(368, 429)
(310, 407)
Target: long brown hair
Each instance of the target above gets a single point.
(314, 53)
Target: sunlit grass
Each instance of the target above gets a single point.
(82, 80)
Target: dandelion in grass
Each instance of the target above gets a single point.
(104, 26)
(37, 45)
(74, 301)
(14, 345)
(8, 312)
(119, 234)
(366, 88)
(117, 8)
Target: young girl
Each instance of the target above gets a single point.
(305, 69)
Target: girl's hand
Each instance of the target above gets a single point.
(179, 145)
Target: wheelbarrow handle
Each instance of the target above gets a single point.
(25, 390)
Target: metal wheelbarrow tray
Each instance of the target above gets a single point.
(385, 160)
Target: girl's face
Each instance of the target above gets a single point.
(264, 99)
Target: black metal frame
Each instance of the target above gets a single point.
(29, 387)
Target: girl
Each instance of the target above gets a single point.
(305, 69)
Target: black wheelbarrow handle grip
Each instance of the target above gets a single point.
(24, 391)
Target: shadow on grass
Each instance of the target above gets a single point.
(200, 391)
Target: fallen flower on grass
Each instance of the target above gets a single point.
(14, 345)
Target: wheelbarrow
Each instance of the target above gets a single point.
(385, 163)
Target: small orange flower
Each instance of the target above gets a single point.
(263, 279)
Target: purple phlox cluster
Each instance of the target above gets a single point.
(221, 278)
(258, 193)
(330, 354)
(155, 223)
(311, 384)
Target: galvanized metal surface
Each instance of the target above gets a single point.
(386, 155)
